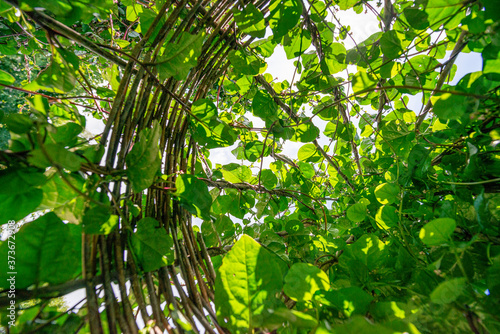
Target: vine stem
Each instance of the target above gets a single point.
(472, 183)
(460, 44)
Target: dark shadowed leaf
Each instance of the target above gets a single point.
(152, 245)
(144, 160)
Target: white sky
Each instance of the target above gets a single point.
(362, 26)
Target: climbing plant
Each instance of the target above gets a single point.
(385, 220)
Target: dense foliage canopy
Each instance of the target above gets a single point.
(386, 220)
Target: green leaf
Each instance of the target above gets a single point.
(449, 106)
(357, 212)
(443, 12)
(20, 180)
(346, 4)
(360, 324)
(72, 211)
(152, 245)
(334, 60)
(416, 18)
(303, 280)
(214, 134)
(9, 12)
(391, 44)
(438, 231)
(146, 19)
(363, 81)
(66, 134)
(493, 276)
(253, 150)
(350, 301)
(55, 154)
(305, 132)
(222, 228)
(318, 11)
(284, 16)
(268, 179)
(308, 152)
(47, 251)
(205, 110)
(491, 9)
(295, 318)
(265, 47)
(235, 173)
(6, 78)
(386, 193)
(306, 169)
(70, 11)
(133, 12)
(99, 220)
(246, 285)
(194, 194)
(296, 44)
(250, 20)
(417, 163)
(263, 105)
(448, 291)
(180, 57)
(144, 160)
(59, 76)
(336, 129)
(368, 250)
(18, 206)
(18, 123)
(244, 63)
(386, 217)
(56, 192)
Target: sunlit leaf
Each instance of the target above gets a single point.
(437, 231)
(250, 20)
(303, 280)
(386, 193)
(6, 78)
(357, 212)
(204, 110)
(386, 217)
(263, 105)
(246, 285)
(362, 82)
(284, 15)
(246, 63)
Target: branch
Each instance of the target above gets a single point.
(260, 79)
(442, 77)
(47, 292)
(247, 186)
(51, 24)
